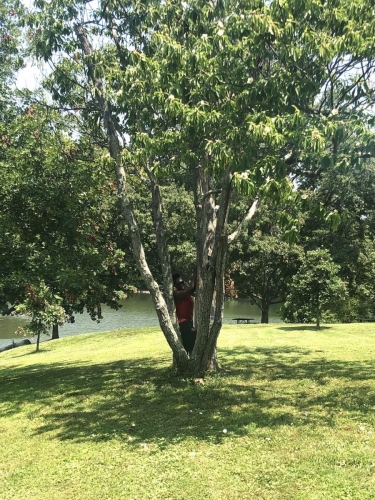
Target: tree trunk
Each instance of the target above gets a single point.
(55, 331)
(265, 311)
(318, 312)
(212, 250)
(213, 364)
(37, 342)
(318, 319)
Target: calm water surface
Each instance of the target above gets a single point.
(137, 312)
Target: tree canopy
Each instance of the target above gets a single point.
(58, 222)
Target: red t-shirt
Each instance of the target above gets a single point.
(184, 309)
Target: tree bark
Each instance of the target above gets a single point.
(211, 275)
(265, 311)
(55, 331)
(163, 253)
(213, 364)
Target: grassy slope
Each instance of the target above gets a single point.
(101, 417)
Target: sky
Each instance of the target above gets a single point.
(28, 77)
(31, 74)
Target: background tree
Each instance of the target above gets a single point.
(261, 267)
(316, 288)
(10, 44)
(349, 192)
(179, 211)
(261, 261)
(43, 307)
(60, 234)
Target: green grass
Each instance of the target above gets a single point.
(102, 417)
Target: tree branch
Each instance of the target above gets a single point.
(245, 222)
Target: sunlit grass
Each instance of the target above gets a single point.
(102, 416)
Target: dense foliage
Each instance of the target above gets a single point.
(58, 218)
(315, 289)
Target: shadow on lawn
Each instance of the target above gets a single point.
(142, 402)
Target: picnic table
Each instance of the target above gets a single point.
(246, 321)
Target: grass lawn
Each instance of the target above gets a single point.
(102, 417)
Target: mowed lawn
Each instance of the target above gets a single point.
(102, 416)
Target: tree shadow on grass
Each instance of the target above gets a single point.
(294, 363)
(141, 402)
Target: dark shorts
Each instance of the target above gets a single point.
(188, 335)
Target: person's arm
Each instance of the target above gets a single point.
(181, 294)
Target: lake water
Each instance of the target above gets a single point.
(136, 312)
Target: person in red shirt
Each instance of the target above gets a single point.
(183, 298)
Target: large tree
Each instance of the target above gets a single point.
(59, 217)
(222, 92)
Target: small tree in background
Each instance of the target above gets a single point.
(44, 308)
(315, 289)
(261, 262)
(264, 272)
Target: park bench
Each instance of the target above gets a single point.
(246, 321)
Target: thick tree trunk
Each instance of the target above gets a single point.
(55, 331)
(213, 364)
(212, 248)
(264, 317)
